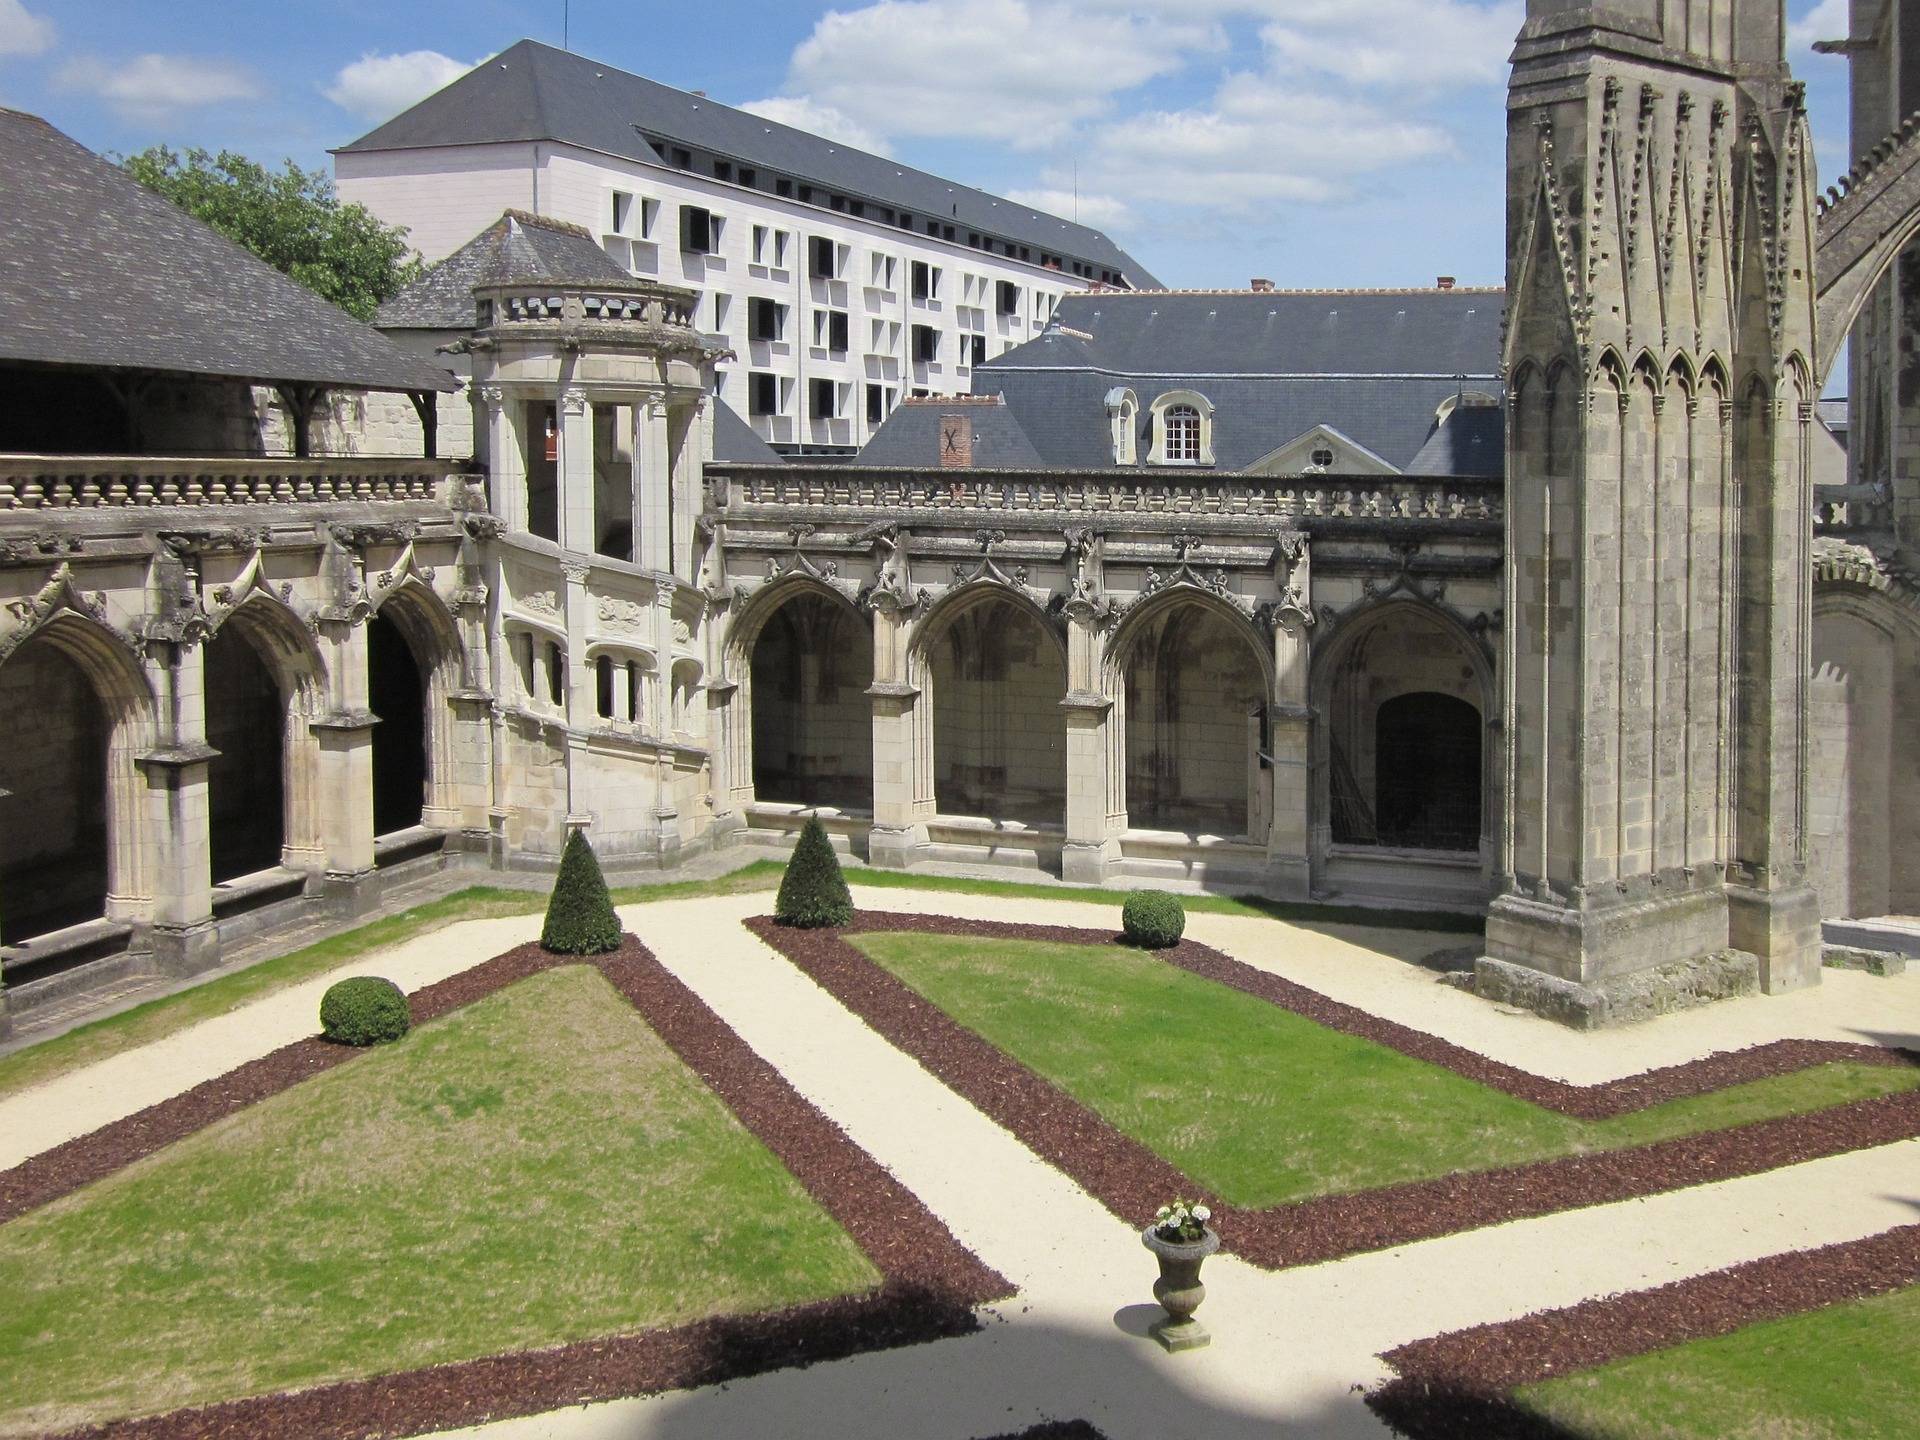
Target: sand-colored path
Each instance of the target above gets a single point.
(1289, 1348)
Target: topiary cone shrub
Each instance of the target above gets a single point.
(1153, 919)
(580, 918)
(365, 1010)
(813, 893)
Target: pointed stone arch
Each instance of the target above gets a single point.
(292, 657)
(801, 655)
(432, 638)
(72, 637)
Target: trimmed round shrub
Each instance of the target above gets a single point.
(365, 1010)
(580, 918)
(1153, 919)
(813, 892)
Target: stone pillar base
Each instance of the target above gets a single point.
(667, 845)
(1088, 862)
(348, 895)
(1289, 877)
(1782, 927)
(1619, 999)
(184, 950)
(896, 847)
(1651, 925)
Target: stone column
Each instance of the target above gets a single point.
(653, 541)
(344, 730)
(1093, 841)
(178, 815)
(579, 708)
(688, 466)
(576, 471)
(1290, 763)
(666, 805)
(506, 460)
(899, 834)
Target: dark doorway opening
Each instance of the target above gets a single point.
(397, 693)
(246, 723)
(812, 720)
(1427, 773)
(53, 819)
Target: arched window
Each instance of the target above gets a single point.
(1123, 412)
(1182, 430)
(1183, 435)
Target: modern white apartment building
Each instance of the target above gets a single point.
(842, 281)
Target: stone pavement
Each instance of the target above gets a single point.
(1289, 1349)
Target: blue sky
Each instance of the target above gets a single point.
(1313, 142)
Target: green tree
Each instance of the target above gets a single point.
(580, 918)
(291, 218)
(813, 892)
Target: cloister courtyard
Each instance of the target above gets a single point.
(888, 1179)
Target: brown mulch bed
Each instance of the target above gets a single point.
(1132, 1181)
(1459, 1386)
(930, 1287)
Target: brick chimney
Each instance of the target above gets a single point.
(1445, 282)
(956, 442)
(1259, 286)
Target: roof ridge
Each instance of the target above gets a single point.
(1103, 293)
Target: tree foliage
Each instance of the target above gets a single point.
(580, 918)
(1153, 919)
(364, 1010)
(291, 218)
(813, 892)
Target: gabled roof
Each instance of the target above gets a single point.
(97, 270)
(516, 247)
(910, 436)
(734, 442)
(1443, 333)
(534, 92)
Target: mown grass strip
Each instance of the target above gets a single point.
(1263, 1106)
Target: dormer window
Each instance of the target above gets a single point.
(1182, 445)
(1123, 414)
(1182, 430)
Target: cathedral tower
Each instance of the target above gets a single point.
(1660, 335)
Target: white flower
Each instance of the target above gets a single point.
(1162, 1213)
(1202, 1214)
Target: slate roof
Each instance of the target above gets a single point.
(97, 270)
(910, 436)
(1374, 365)
(518, 246)
(1289, 332)
(532, 91)
(734, 442)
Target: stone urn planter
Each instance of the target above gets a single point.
(1178, 1289)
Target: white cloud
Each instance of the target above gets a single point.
(1017, 72)
(817, 119)
(1825, 21)
(21, 32)
(377, 87)
(1103, 212)
(1411, 45)
(154, 87)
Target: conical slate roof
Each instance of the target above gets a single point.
(517, 247)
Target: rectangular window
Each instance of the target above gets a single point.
(926, 342)
(780, 239)
(926, 281)
(762, 394)
(722, 309)
(603, 686)
(761, 236)
(723, 170)
(649, 217)
(696, 229)
(556, 674)
(822, 406)
(783, 186)
(622, 212)
(820, 259)
(1009, 298)
(748, 177)
(837, 331)
(876, 404)
(977, 349)
(683, 158)
(766, 319)
(636, 698)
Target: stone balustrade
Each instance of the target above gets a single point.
(738, 489)
(66, 482)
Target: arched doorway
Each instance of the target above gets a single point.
(246, 723)
(54, 841)
(397, 693)
(999, 734)
(1401, 747)
(1426, 780)
(1195, 695)
(811, 667)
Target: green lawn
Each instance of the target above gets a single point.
(156, 1019)
(1849, 1372)
(535, 1169)
(1261, 1106)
